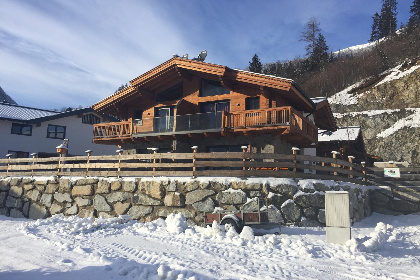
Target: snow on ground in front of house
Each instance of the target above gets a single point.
(383, 247)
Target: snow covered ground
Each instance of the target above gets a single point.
(384, 247)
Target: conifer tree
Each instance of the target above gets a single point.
(388, 18)
(374, 35)
(414, 19)
(319, 56)
(310, 34)
(255, 65)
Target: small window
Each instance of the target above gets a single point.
(90, 119)
(252, 103)
(21, 129)
(212, 88)
(56, 131)
(172, 93)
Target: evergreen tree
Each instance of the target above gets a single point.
(319, 56)
(374, 35)
(388, 18)
(310, 34)
(255, 65)
(414, 14)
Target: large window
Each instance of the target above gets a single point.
(217, 106)
(172, 93)
(56, 131)
(252, 103)
(21, 129)
(211, 88)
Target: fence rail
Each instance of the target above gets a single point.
(188, 164)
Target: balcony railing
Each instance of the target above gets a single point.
(281, 117)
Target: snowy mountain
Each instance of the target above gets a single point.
(4, 97)
(387, 109)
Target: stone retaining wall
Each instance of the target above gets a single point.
(396, 200)
(146, 199)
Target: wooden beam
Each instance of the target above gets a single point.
(184, 73)
(165, 137)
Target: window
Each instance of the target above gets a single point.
(217, 106)
(56, 131)
(90, 119)
(172, 93)
(252, 103)
(211, 88)
(21, 129)
(18, 154)
(138, 117)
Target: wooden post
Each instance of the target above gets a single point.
(294, 150)
(351, 167)
(89, 152)
(9, 156)
(154, 159)
(244, 148)
(119, 151)
(59, 163)
(223, 120)
(364, 171)
(33, 162)
(194, 148)
(335, 153)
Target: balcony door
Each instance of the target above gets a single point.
(164, 119)
(212, 113)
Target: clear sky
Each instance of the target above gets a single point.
(60, 53)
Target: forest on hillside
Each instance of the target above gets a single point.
(323, 73)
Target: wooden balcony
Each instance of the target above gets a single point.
(285, 121)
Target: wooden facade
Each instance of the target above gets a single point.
(183, 99)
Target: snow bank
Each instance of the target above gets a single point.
(176, 223)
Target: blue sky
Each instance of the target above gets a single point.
(61, 53)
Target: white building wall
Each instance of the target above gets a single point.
(79, 134)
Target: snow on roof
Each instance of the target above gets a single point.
(411, 121)
(16, 112)
(318, 99)
(341, 134)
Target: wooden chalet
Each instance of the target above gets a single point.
(183, 103)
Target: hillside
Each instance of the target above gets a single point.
(388, 110)
(4, 97)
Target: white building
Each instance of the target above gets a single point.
(25, 130)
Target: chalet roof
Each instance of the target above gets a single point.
(350, 133)
(154, 80)
(323, 115)
(23, 114)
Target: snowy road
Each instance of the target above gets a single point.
(384, 247)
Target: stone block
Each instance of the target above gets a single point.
(100, 204)
(129, 185)
(172, 186)
(56, 208)
(174, 199)
(15, 181)
(16, 191)
(3, 196)
(310, 212)
(198, 195)
(4, 185)
(218, 186)
(80, 190)
(87, 213)
(116, 185)
(46, 199)
(288, 190)
(118, 197)
(152, 188)
(255, 194)
(12, 202)
(243, 185)
(83, 201)
(65, 185)
(191, 186)
(145, 200)
(4, 211)
(25, 209)
(404, 206)
(306, 222)
(37, 211)
(16, 214)
(28, 187)
(27, 180)
(105, 215)
(231, 197)
(276, 199)
(291, 211)
(33, 195)
(63, 197)
(72, 210)
(121, 208)
(274, 215)
(321, 216)
(103, 186)
(138, 211)
(204, 206)
(251, 206)
(164, 212)
(306, 200)
(52, 188)
(86, 181)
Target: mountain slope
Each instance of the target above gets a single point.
(388, 110)
(4, 97)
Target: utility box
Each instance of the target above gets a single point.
(337, 217)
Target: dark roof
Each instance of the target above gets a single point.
(33, 115)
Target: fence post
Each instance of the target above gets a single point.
(33, 162)
(351, 167)
(119, 151)
(89, 152)
(194, 148)
(9, 156)
(294, 150)
(335, 153)
(244, 148)
(154, 159)
(364, 171)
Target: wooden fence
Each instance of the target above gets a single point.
(188, 164)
